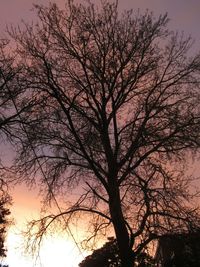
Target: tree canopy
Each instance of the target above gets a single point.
(108, 256)
(4, 222)
(8, 119)
(10, 108)
(179, 250)
(111, 112)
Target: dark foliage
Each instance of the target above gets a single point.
(180, 250)
(4, 221)
(108, 256)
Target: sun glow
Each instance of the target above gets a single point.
(60, 252)
(55, 251)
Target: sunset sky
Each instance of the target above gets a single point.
(184, 15)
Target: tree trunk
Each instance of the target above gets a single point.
(121, 232)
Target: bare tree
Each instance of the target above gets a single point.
(115, 116)
(10, 91)
(9, 116)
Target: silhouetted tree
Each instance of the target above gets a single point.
(9, 115)
(10, 108)
(5, 201)
(108, 256)
(179, 250)
(115, 116)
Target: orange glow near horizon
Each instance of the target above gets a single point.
(55, 251)
(58, 249)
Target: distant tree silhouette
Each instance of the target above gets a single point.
(180, 250)
(114, 113)
(5, 201)
(108, 256)
(8, 117)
